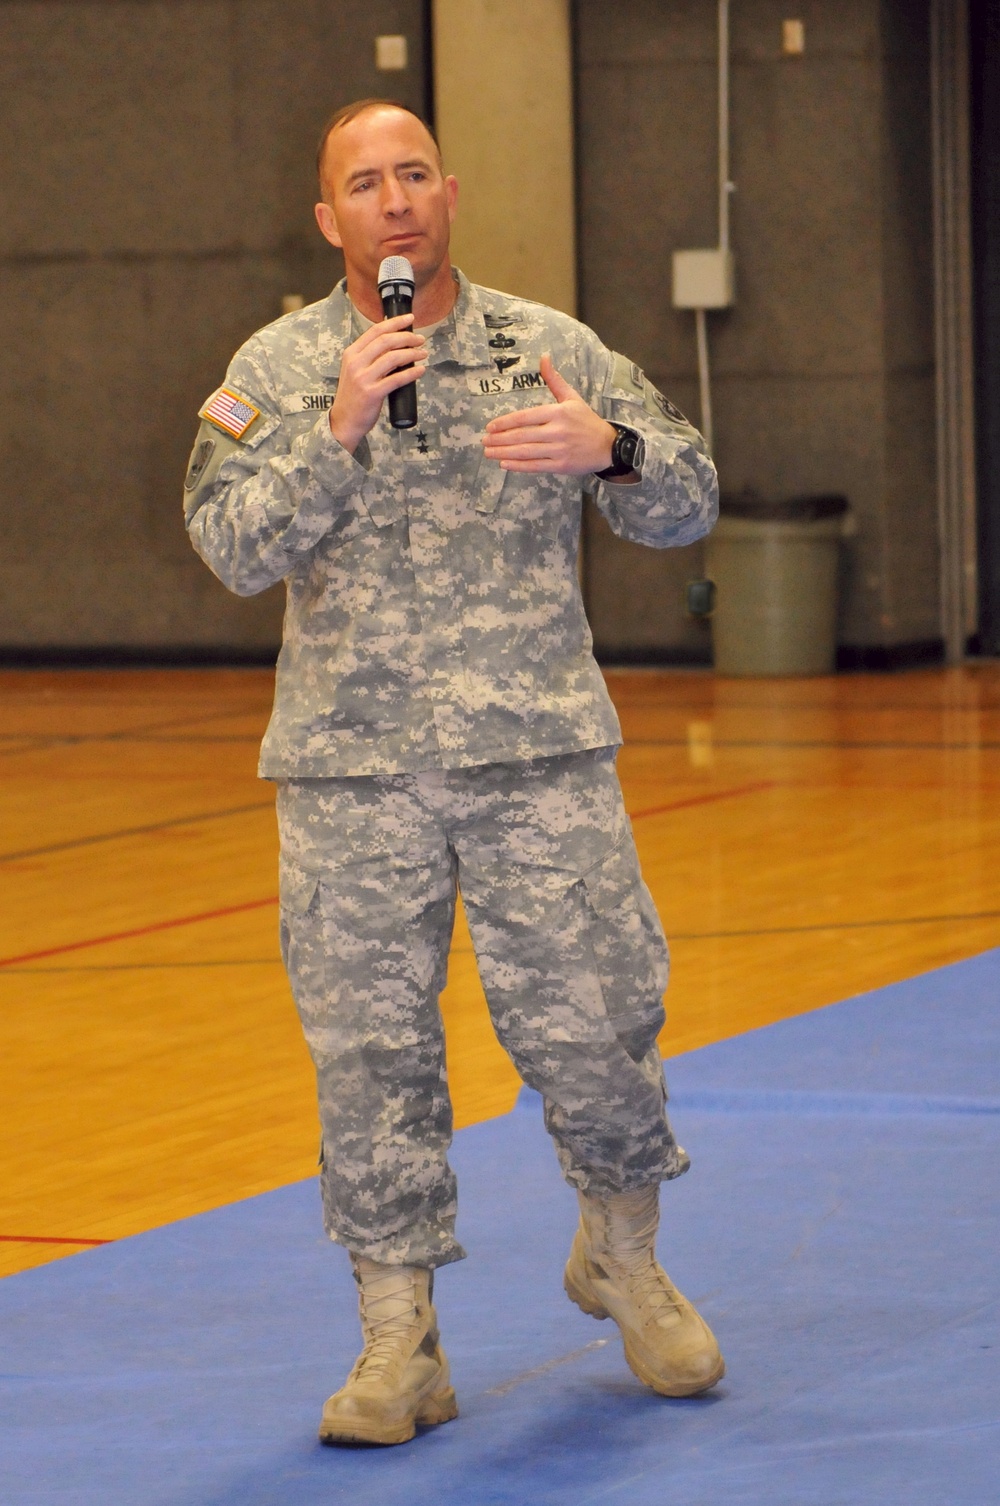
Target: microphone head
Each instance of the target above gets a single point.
(393, 271)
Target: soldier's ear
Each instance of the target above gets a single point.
(451, 189)
(327, 222)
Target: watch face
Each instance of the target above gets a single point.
(627, 451)
(628, 444)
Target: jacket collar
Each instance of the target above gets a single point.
(462, 339)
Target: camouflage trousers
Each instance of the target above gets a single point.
(571, 955)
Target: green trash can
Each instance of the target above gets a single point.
(776, 568)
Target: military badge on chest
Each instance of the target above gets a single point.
(505, 355)
(501, 343)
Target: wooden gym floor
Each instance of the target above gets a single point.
(804, 840)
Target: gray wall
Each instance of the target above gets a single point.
(823, 373)
(155, 204)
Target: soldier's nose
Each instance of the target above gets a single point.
(394, 201)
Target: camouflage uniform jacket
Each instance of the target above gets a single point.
(434, 616)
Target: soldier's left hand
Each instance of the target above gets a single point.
(566, 437)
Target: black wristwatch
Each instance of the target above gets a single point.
(626, 453)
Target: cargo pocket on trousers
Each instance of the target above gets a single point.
(611, 881)
(296, 891)
(296, 887)
(630, 948)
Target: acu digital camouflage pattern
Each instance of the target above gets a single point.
(434, 617)
(570, 951)
(436, 695)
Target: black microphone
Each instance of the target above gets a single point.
(395, 287)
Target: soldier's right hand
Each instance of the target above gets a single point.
(369, 370)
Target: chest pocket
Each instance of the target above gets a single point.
(381, 500)
(488, 483)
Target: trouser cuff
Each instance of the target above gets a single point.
(428, 1248)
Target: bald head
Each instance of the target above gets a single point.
(345, 117)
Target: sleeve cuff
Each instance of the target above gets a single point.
(338, 472)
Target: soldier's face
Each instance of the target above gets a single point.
(386, 195)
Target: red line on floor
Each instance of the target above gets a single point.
(258, 904)
(706, 799)
(159, 925)
(48, 1239)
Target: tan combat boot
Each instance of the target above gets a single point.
(612, 1272)
(401, 1377)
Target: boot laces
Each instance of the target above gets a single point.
(652, 1292)
(630, 1235)
(389, 1317)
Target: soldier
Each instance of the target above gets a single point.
(439, 721)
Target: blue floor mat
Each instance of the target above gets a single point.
(840, 1229)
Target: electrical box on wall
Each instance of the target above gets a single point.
(704, 279)
(391, 53)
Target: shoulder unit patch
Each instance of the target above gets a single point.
(230, 412)
(200, 456)
(666, 407)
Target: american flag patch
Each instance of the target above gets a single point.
(228, 411)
